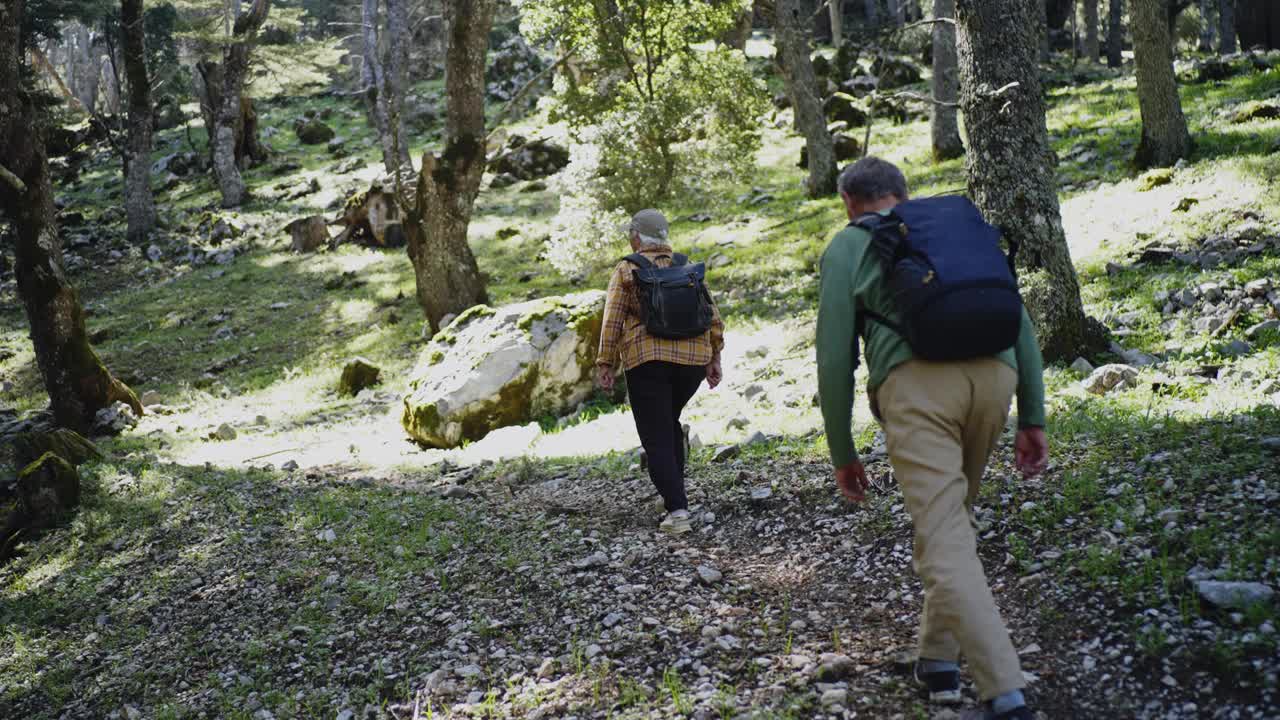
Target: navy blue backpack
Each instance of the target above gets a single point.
(674, 301)
(952, 285)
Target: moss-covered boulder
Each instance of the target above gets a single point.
(66, 444)
(491, 368)
(357, 375)
(47, 489)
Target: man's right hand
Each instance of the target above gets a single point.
(1031, 451)
(604, 377)
(852, 481)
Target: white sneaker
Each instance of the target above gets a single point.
(676, 523)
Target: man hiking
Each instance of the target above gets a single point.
(941, 417)
(662, 328)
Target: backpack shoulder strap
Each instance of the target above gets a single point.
(640, 261)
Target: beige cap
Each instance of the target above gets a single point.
(649, 223)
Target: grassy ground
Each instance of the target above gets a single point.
(200, 579)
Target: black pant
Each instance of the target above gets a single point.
(659, 391)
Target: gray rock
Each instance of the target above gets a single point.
(357, 375)
(752, 390)
(725, 453)
(738, 423)
(833, 667)
(1210, 260)
(594, 560)
(756, 438)
(1271, 443)
(468, 671)
(114, 419)
(835, 696)
(709, 575)
(327, 535)
(764, 492)
(1258, 288)
(1234, 595)
(1237, 348)
(1206, 325)
(1265, 326)
(456, 492)
(1185, 298)
(1110, 377)
(1211, 292)
(290, 466)
(1137, 358)
(149, 398)
(224, 432)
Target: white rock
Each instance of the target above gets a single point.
(595, 559)
(709, 575)
(1110, 377)
(1082, 366)
(492, 368)
(1237, 595)
(834, 696)
(225, 432)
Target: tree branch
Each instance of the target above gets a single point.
(13, 180)
(524, 90)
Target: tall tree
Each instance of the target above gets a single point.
(835, 8)
(139, 205)
(384, 82)
(77, 381)
(1226, 26)
(1257, 22)
(229, 111)
(792, 39)
(1164, 129)
(1206, 26)
(1046, 45)
(1010, 165)
(871, 8)
(1115, 33)
(946, 84)
(1091, 49)
(448, 279)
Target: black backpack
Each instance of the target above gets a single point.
(674, 302)
(952, 286)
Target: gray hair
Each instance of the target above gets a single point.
(648, 241)
(872, 178)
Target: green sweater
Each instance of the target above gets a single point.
(852, 277)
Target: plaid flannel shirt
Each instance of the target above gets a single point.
(623, 336)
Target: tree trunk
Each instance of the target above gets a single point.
(85, 65)
(77, 381)
(1046, 45)
(139, 204)
(1115, 33)
(835, 9)
(1226, 26)
(229, 111)
(797, 73)
(448, 280)
(1257, 22)
(394, 83)
(946, 85)
(1091, 49)
(1206, 26)
(736, 37)
(872, 10)
(1010, 165)
(897, 12)
(1164, 129)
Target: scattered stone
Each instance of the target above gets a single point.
(738, 423)
(357, 375)
(756, 438)
(1110, 377)
(311, 131)
(1082, 366)
(835, 696)
(224, 432)
(594, 560)
(725, 452)
(1237, 348)
(327, 535)
(1271, 443)
(149, 398)
(1233, 595)
(1154, 179)
(114, 419)
(290, 466)
(833, 667)
(456, 492)
(709, 575)
(1256, 331)
(763, 492)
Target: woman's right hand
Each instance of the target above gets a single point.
(714, 373)
(604, 377)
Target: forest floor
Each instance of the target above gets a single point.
(312, 565)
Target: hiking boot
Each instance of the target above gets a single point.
(676, 523)
(943, 687)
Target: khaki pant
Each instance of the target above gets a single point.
(941, 422)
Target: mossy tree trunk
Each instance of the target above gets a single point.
(1207, 8)
(77, 381)
(139, 204)
(448, 280)
(1164, 129)
(1009, 163)
(229, 110)
(792, 39)
(835, 9)
(944, 126)
(1115, 33)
